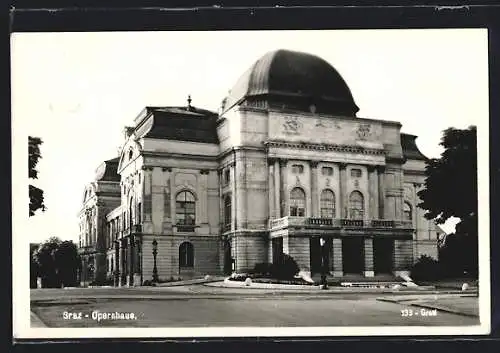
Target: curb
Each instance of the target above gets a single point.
(426, 306)
(35, 320)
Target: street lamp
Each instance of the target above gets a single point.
(155, 270)
(324, 284)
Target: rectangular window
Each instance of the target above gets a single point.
(297, 211)
(356, 173)
(327, 171)
(297, 169)
(227, 176)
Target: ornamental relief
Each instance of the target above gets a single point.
(292, 125)
(324, 130)
(185, 179)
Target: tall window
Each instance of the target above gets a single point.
(185, 208)
(297, 202)
(327, 171)
(186, 255)
(356, 173)
(327, 204)
(227, 176)
(356, 205)
(227, 210)
(407, 211)
(139, 212)
(297, 169)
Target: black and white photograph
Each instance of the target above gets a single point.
(250, 183)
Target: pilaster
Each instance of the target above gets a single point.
(277, 189)
(283, 187)
(381, 192)
(314, 189)
(369, 272)
(337, 257)
(373, 192)
(271, 186)
(343, 190)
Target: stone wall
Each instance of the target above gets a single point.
(206, 256)
(248, 250)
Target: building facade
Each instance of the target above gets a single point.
(285, 162)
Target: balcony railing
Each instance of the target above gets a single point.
(313, 222)
(186, 228)
(226, 227)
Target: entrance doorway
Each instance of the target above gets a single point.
(277, 249)
(316, 254)
(353, 255)
(228, 263)
(383, 252)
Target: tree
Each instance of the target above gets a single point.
(67, 262)
(451, 191)
(45, 258)
(34, 271)
(36, 194)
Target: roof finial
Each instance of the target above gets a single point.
(189, 101)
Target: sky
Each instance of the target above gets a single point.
(77, 91)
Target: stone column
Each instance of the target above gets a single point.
(117, 273)
(337, 257)
(221, 200)
(369, 271)
(314, 189)
(234, 200)
(204, 196)
(381, 191)
(270, 177)
(342, 190)
(277, 189)
(148, 191)
(373, 191)
(122, 262)
(241, 190)
(131, 264)
(283, 187)
(167, 208)
(138, 263)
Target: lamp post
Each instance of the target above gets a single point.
(324, 284)
(155, 269)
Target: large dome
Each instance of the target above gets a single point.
(295, 77)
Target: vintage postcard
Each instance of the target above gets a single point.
(250, 183)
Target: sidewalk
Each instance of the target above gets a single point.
(460, 304)
(314, 288)
(192, 281)
(35, 320)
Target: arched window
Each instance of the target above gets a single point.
(297, 202)
(227, 210)
(185, 209)
(327, 204)
(356, 205)
(407, 211)
(186, 255)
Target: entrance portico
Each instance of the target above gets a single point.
(351, 247)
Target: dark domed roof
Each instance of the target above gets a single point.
(284, 73)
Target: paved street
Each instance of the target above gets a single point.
(200, 306)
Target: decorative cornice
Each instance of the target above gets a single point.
(324, 147)
(204, 171)
(283, 162)
(342, 166)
